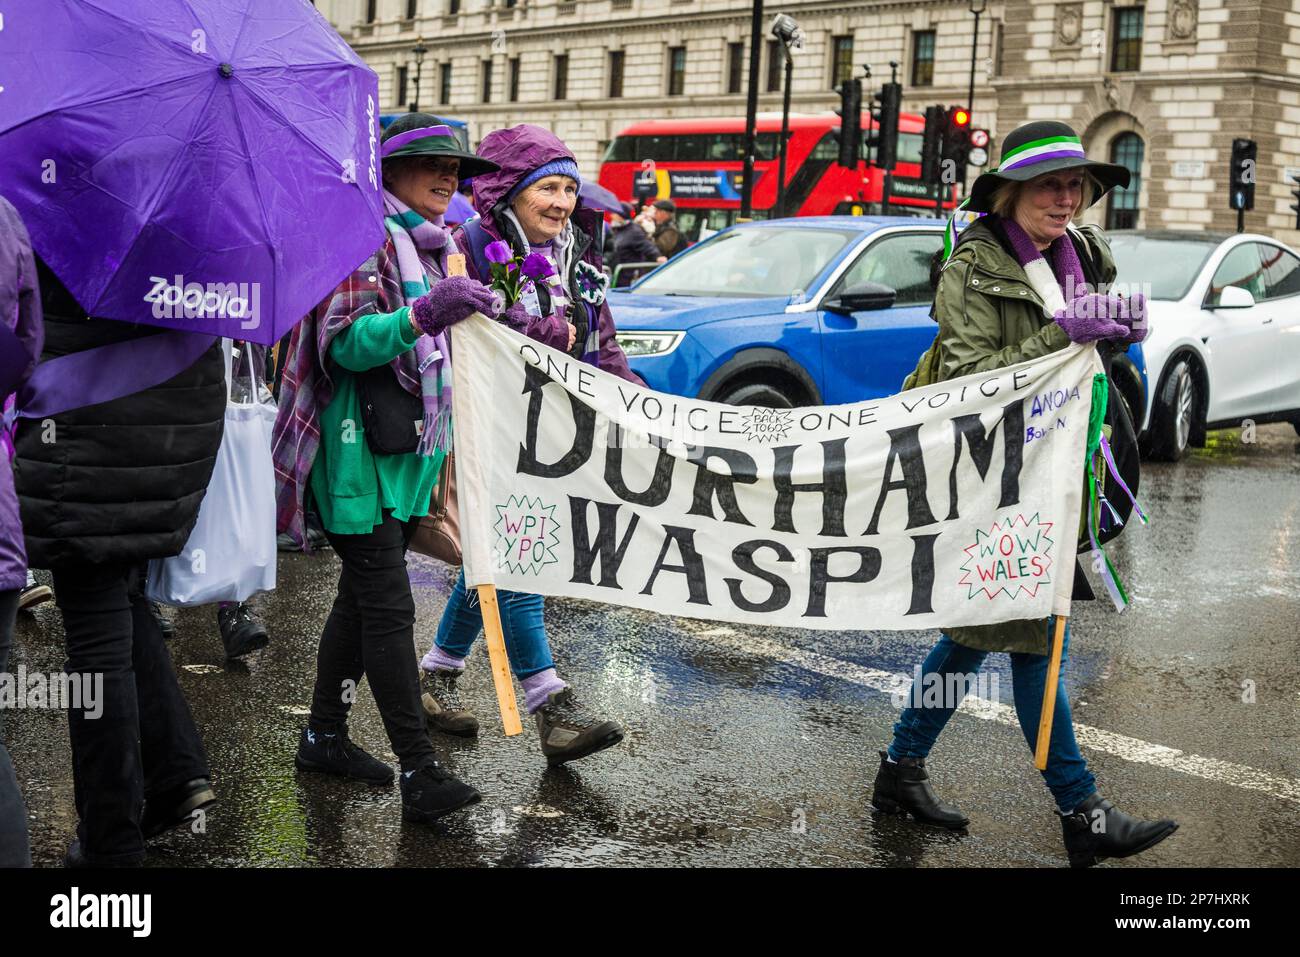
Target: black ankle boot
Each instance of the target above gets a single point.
(1098, 830)
(905, 788)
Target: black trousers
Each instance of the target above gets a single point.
(371, 631)
(145, 742)
(14, 848)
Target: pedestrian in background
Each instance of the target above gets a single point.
(630, 244)
(361, 372)
(21, 334)
(1017, 288)
(103, 489)
(667, 236)
(531, 203)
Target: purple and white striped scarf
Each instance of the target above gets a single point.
(427, 373)
(1053, 283)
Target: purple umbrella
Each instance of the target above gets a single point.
(206, 165)
(595, 196)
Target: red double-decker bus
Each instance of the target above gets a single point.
(698, 163)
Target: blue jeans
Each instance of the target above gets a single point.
(1067, 775)
(521, 625)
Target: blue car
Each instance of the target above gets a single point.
(817, 310)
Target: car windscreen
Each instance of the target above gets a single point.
(750, 263)
(1169, 266)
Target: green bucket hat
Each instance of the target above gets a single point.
(1044, 146)
(422, 134)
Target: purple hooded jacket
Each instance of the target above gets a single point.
(20, 313)
(519, 150)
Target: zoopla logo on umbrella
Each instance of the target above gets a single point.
(222, 300)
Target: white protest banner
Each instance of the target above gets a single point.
(955, 504)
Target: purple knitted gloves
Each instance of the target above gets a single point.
(449, 301)
(1102, 316)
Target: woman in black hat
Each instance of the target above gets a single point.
(1021, 284)
(363, 430)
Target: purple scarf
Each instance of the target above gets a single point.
(1065, 267)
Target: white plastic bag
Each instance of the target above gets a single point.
(231, 553)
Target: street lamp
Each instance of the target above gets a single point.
(419, 52)
(787, 31)
(976, 7)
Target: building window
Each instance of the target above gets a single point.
(487, 81)
(615, 74)
(923, 58)
(774, 64)
(453, 7)
(401, 99)
(735, 66)
(997, 47)
(510, 4)
(676, 70)
(444, 83)
(370, 10)
(1126, 55)
(841, 60)
(412, 9)
(514, 79)
(1122, 205)
(561, 76)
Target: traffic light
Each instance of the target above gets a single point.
(850, 122)
(932, 144)
(890, 97)
(1241, 175)
(1296, 193)
(956, 144)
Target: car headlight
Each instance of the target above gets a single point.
(649, 343)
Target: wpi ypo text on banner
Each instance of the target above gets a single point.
(956, 504)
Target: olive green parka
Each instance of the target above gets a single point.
(989, 318)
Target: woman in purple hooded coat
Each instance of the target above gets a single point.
(531, 203)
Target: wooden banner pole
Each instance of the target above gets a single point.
(487, 599)
(1049, 694)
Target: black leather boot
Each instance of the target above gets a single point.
(904, 788)
(1098, 829)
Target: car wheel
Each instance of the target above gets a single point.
(757, 393)
(1174, 416)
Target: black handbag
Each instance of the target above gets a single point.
(390, 416)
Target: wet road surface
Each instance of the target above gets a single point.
(757, 747)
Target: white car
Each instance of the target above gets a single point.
(1224, 343)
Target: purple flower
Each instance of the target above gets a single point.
(537, 266)
(498, 252)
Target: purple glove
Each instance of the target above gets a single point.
(1094, 316)
(550, 331)
(1138, 318)
(449, 301)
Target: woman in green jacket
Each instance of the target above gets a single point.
(1012, 290)
(364, 426)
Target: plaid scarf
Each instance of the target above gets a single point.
(377, 286)
(1063, 278)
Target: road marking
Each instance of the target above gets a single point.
(1119, 745)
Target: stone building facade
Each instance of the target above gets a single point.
(1162, 85)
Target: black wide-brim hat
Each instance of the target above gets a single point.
(422, 134)
(1037, 148)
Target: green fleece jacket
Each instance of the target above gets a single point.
(351, 486)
